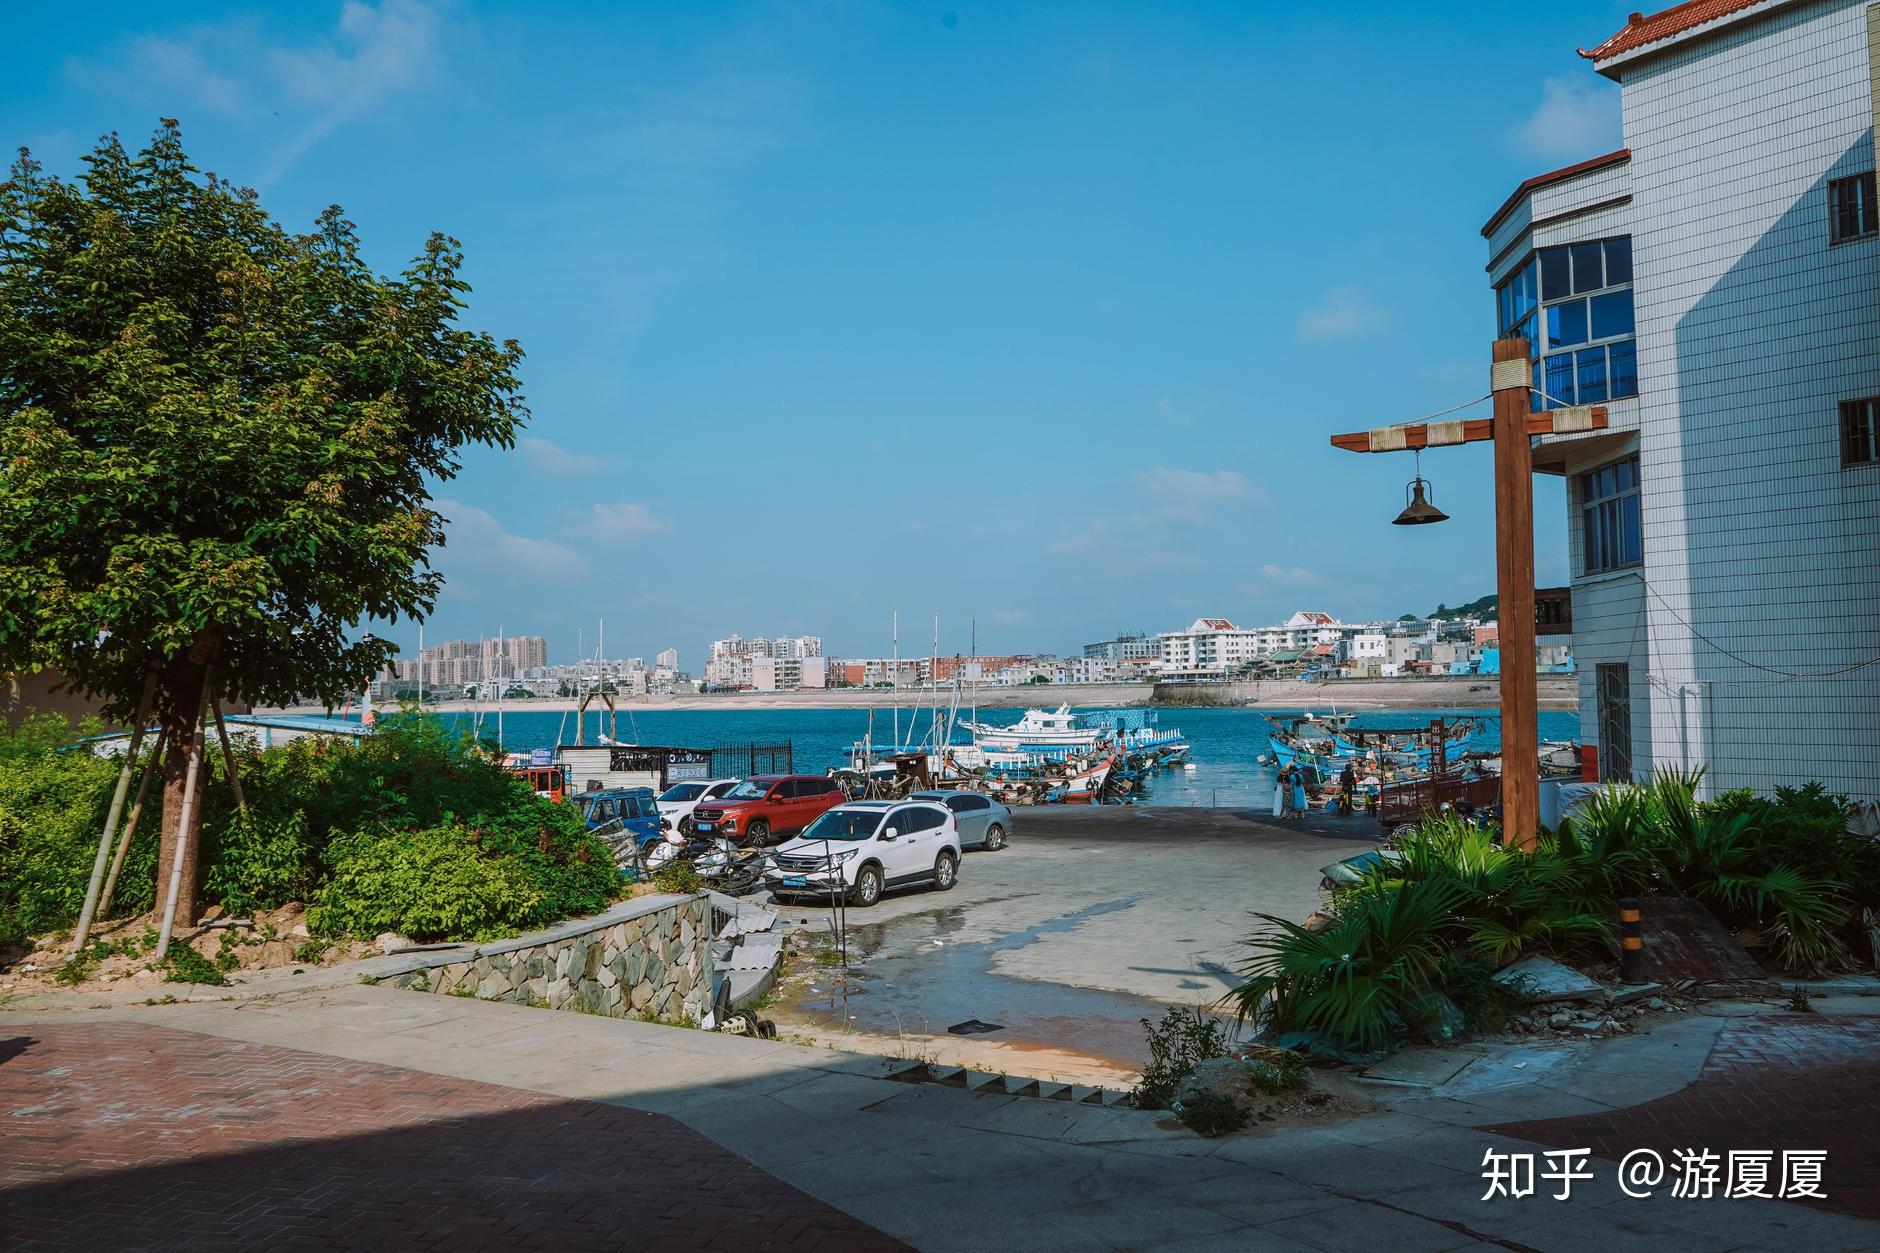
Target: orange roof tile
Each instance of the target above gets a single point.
(1640, 30)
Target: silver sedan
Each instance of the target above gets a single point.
(983, 822)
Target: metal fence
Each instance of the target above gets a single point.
(744, 760)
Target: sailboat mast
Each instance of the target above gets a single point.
(502, 688)
(895, 664)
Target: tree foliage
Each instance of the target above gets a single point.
(218, 435)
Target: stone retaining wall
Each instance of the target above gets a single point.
(649, 958)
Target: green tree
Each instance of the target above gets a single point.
(218, 438)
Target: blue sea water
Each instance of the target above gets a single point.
(1225, 743)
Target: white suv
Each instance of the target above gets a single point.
(677, 802)
(865, 847)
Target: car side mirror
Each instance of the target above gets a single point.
(890, 834)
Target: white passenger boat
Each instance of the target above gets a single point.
(1039, 728)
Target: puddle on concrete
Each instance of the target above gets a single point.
(900, 981)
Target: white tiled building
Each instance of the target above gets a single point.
(1715, 284)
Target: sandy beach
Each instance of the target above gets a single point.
(1458, 692)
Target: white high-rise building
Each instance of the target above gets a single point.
(1714, 284)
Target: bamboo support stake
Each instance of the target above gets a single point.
(116, 811)
(130, 824)
(182, 827)
(228, 757)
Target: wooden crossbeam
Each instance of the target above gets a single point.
(1571, 420)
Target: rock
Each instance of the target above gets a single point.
(1633, 992)
(209, 915)
(1543, 980)
(299, 932)
(389, 941)
(1657, 1002)
(1561, 1021)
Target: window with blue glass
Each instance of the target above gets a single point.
(1609, 516)
(1573, 304)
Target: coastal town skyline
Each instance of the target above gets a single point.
(743, 356)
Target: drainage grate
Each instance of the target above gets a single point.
(972, 1026)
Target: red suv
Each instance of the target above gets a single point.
(766, 809)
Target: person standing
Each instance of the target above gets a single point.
(1299, 790)
(1282, 794)
(1347, 785)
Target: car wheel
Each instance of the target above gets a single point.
(758, 833)
(946, 872)
(867, 888)
(995, 838)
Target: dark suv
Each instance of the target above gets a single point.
(766, 809)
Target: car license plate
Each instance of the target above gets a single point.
(795, 881)
(702, 826)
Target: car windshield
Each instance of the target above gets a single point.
(843, 824)
(683, 792)
(749, 790)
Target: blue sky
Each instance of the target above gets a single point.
(1034, 314)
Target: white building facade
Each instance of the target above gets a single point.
(1715, 284)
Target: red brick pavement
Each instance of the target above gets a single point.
(1772, 1081)
(123, 1136)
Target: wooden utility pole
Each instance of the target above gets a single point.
(1513, 425)
(1514, 595)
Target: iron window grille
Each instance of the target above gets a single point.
(1860, 432)
(1852, 212)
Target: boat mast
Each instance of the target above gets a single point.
(421, 667)
(502, 690)
(933, 679)
(895, 629)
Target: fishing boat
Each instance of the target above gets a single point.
(1087, 785)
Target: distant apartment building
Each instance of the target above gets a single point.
(1137, 647)
(1713, 283)
(667, 660)
(1214, 647)
(461, 663)
(734, 663)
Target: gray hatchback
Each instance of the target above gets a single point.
(983, 822)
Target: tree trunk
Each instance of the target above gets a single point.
(181, 705)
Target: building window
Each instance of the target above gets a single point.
(1614, 683)
(1573, 304)
(1860, 432)
(1851, 208)
(1609, 511)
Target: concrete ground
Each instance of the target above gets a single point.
(1090, 920)
(939, 1168)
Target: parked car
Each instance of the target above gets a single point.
(635, 807)
(864, 848)
(677, 802)
(767, 808)
(984, 823)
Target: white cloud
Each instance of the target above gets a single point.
(1294, 577)
(374, 54)
(623, 521)
(476, 539)
(1340, 312)
(1577, 117)
(547, 458)
(1166, 409)
(1187, 496)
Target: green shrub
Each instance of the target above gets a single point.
(1214, 1114)
(678, 877)
(1184, 1038)
(252, 863)
(425, 884)
(1362, 980)
(52, 811)
(188, 966)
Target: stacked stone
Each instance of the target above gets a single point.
(655, 966)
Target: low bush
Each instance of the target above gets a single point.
(1182, 1039)
(425, 884)
(1430, 927)
(415, 828)
(679, 877)
(186, 965)
(1214, 1114)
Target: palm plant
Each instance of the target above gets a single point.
(1359, 981)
